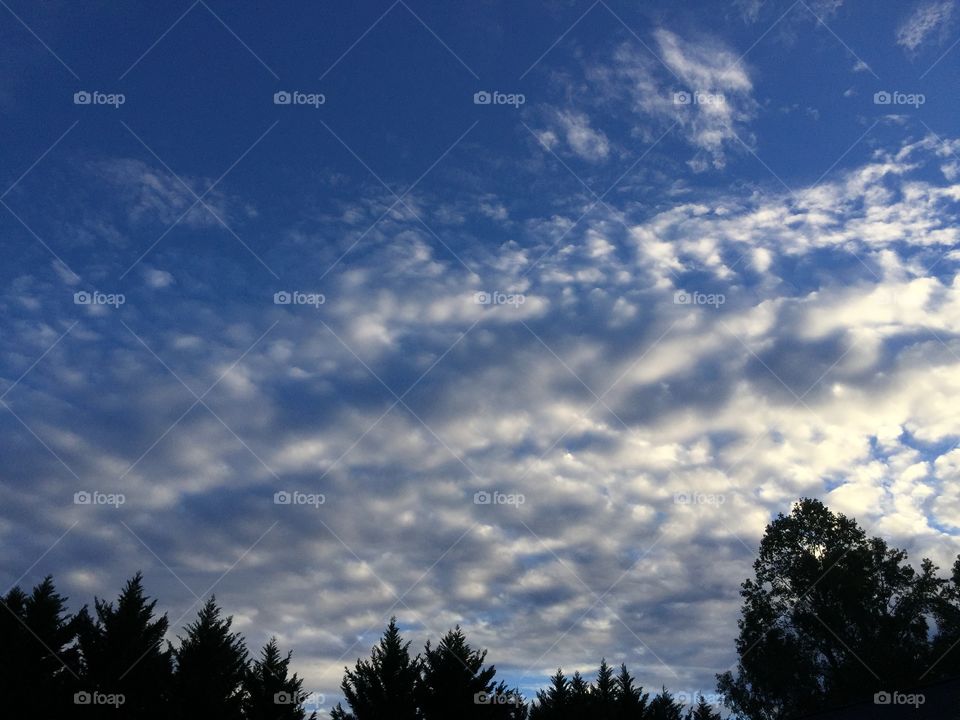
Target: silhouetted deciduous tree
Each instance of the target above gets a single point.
(831, 616)
(946, 644)
(211, 663)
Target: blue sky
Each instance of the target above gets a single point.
(695, 261)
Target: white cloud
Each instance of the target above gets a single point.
(701, 400)
(923, 22)
(702, 87)
(156, 278)
(585, 141)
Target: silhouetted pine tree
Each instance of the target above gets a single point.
(123, 654)
(664, 707)
(554, 702)
(454, 683)
(631, 700)
(270, 693)
(383, 687)
(579, 696)
(211, 663)
(603, 694)
(703, 711)
(39, 670)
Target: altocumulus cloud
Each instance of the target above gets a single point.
(677, 427)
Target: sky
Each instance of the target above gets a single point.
(523, 316)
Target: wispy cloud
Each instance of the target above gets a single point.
(701, 86)
(927, 19)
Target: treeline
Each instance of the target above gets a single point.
(830, 617)
(451, 680)
(115, 663)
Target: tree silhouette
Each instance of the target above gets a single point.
(664, 707)
(579, 696)
(270, 692)
(124, 655)
(603, 694)
(38, 664)
(832, 616)
(554, 702)
(383, 687)
(631, 700)
(454, 683)
(946, 644)
(703, 711)
(211, 663)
